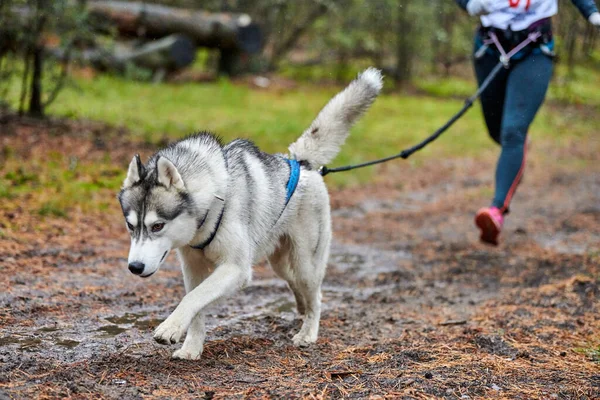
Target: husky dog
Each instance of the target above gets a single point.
(226, 207)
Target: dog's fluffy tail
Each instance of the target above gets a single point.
(321, 142)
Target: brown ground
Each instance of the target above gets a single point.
(414, 306)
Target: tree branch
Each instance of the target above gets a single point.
(295, 35)
(62, 77)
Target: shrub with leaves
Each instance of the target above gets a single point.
(27, 29)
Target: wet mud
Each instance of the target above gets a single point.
(413, 305)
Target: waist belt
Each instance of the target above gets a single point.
(509, 39)
(515, 44)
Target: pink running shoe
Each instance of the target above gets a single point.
(490, 221)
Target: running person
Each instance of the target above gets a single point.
(515, 95)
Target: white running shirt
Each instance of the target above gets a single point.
(518, 14)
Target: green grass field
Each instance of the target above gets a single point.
(271, 118)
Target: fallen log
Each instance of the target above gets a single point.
(231, 32)
(171, 53)
(168, 54)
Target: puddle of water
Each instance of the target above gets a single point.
(68, 343)
(338, 289)
(6, 340)
(282, 305)
(147, 324)
(288, 306)
(128, 318)
(347, 259)
(48, 329)
(132, 320)
(30, 344)
(358, 294)
(25, 342)
(111, 330)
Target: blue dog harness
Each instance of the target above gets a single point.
(291, 186)
(294, 178)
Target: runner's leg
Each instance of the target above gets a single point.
(526, 88)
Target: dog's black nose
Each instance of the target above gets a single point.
(136, 267)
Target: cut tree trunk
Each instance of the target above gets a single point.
(224, 31)
(168, 54)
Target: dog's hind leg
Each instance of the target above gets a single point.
(195, 270)
(280, 262)
(310, 251)
(309, 276)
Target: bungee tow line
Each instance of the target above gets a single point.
(404, 154)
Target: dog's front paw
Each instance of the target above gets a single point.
(187, 353)
(170, 331)
(302, 339)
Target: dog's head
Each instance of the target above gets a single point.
(158, 212)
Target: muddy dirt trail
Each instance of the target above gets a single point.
(414, 305)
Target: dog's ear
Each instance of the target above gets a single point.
(135, 173)
(168, 174)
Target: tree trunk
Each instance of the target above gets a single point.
(447, 22)
(404, 48)
(589, 41)
(230, 62)
(35, 101)
(436, 42)
(223, 31)
(570, 45)
(35, 54)
(24, 81)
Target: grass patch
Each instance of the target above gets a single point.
(54, 187)
(581, 88)
(447, 87)
(592, 353)
(272, 118)
(52, 209)
(324, 72)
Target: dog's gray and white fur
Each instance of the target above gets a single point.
(197, 188)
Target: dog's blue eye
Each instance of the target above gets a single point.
(157, 227)
(131, 227)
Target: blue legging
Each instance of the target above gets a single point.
(509, 106)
